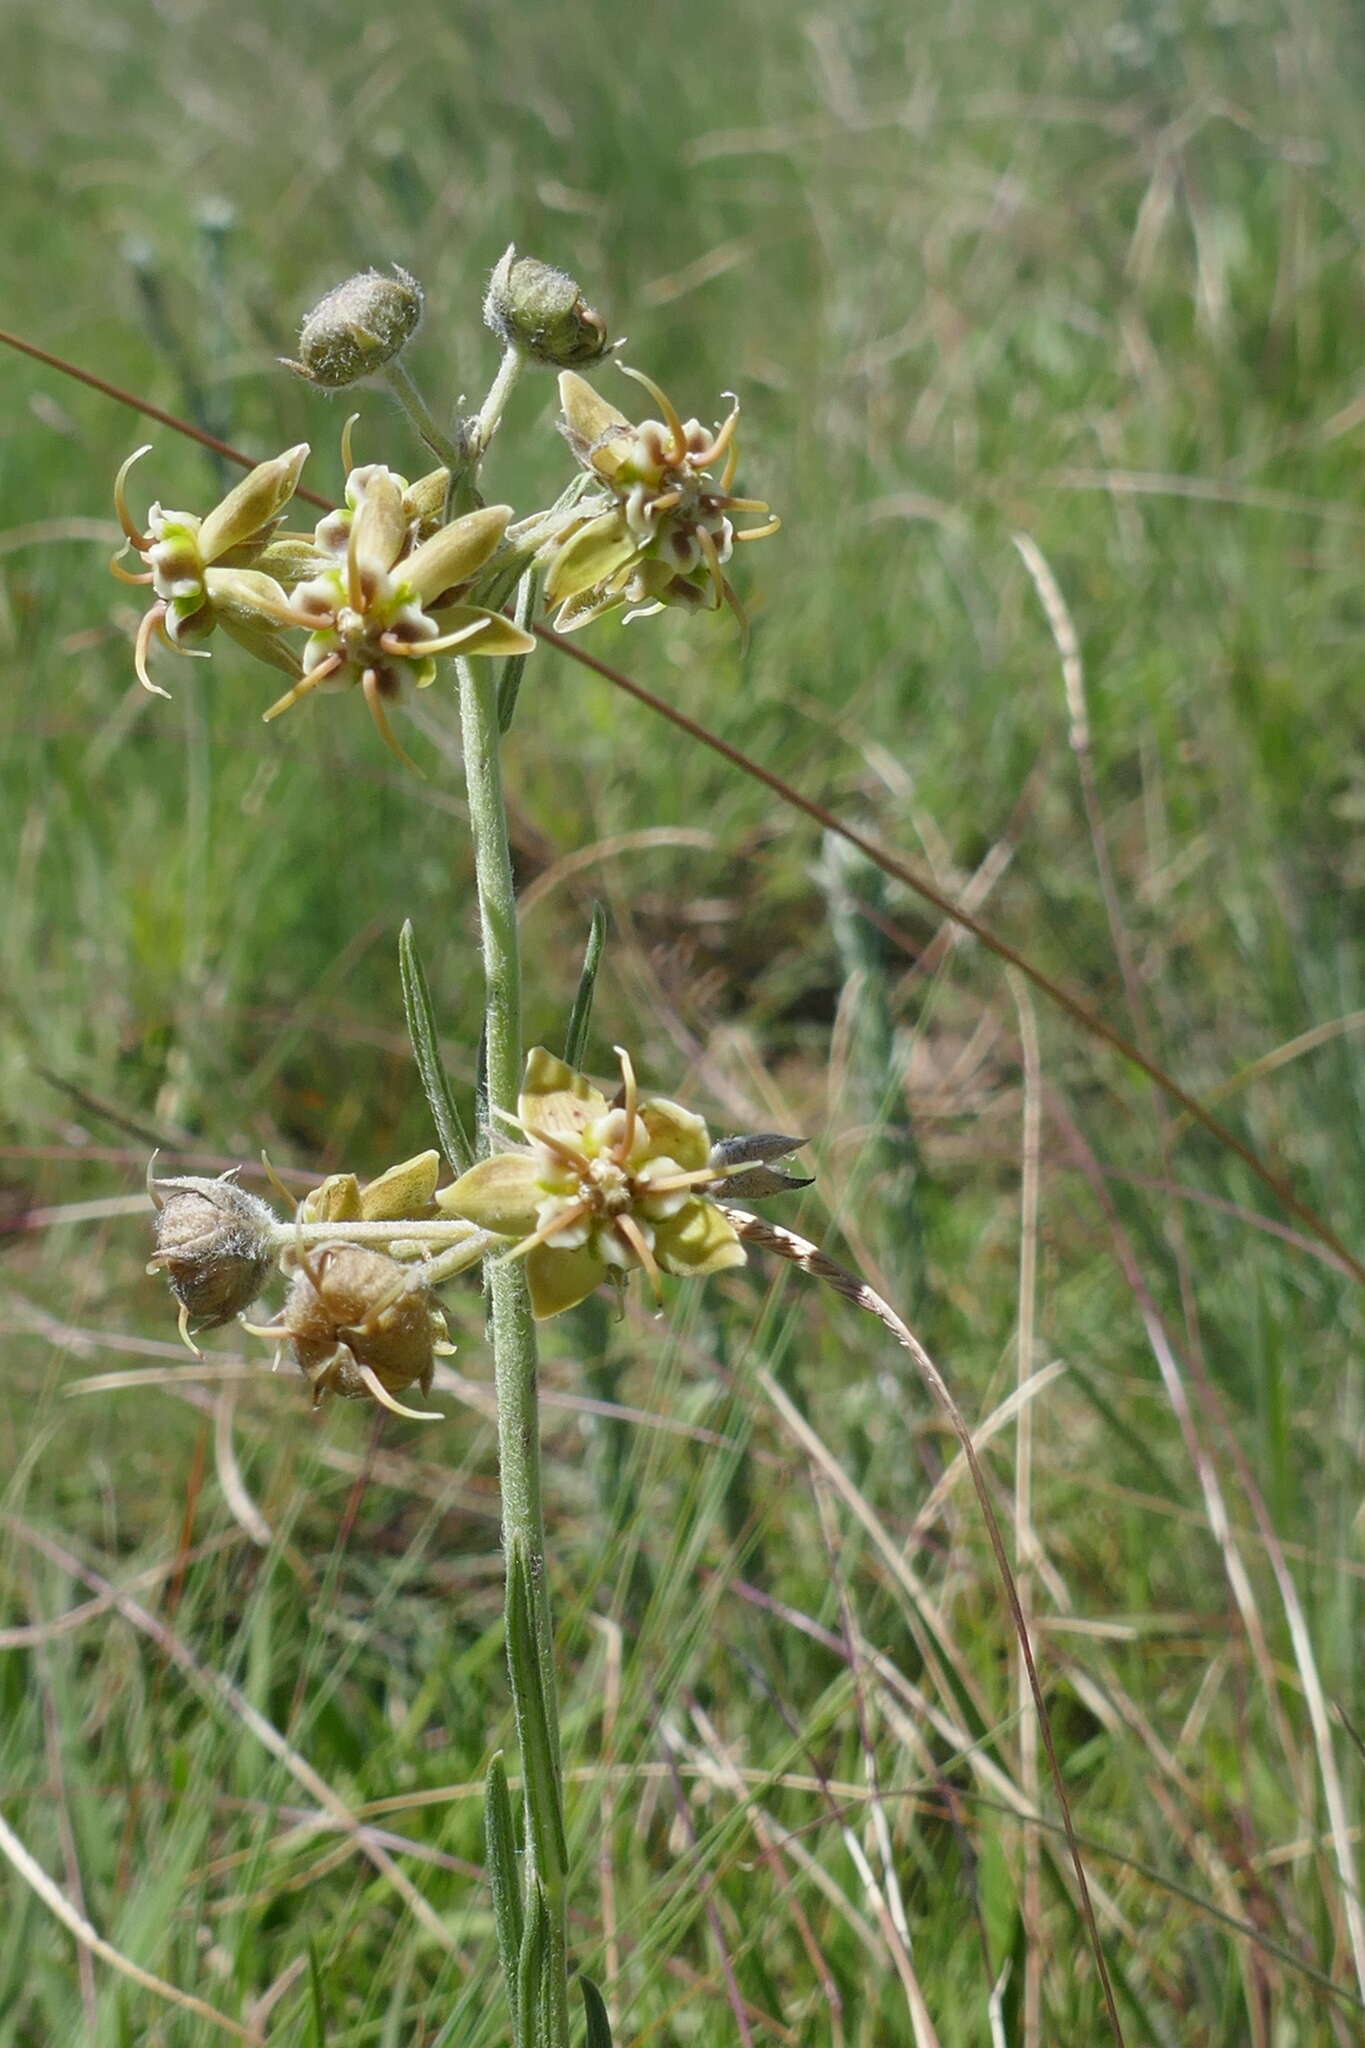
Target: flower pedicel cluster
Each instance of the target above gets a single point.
(598, 1189)
(381, 587)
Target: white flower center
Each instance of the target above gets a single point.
(610, 1186)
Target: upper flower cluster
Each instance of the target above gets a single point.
(387, 582)
(660, 531)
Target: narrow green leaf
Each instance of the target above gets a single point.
(500, 1838)
(544, 1811)
(535, 1947)
(319, 2010)
(576, 1037)
(595, 2011)
(426, 1051)
(514, 668)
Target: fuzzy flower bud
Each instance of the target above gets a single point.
(215, 1244)
(357, 328)
(359, 1324)
(540, 312)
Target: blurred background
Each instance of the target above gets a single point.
(1046, 332)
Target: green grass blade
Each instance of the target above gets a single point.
(317, 2008)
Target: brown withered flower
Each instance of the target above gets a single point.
(360, 1325)
(215, 1243)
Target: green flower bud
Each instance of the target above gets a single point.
(424, 503)
(215, 1244)
(357, 328)
(541, 312)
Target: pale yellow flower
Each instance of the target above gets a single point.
(603, 1187)
(380, 610)
(659, 531)
(200, 569)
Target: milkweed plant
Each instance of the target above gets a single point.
(562, 1183)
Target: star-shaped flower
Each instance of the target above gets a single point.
(604, 1187)
(382, 610)
(659, 531)
(200, 569)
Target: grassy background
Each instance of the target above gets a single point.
(976, 272)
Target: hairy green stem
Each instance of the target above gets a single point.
(513, 1332)
(446, 1230)
(473, 436)
(490, 412)
(419, 412)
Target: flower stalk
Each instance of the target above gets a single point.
(530, 1636)
(400, 382)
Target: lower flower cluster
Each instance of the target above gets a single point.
(595, 1189)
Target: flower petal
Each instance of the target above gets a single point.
(249, 594)
(252, 503)
(500, 1194)
(497, 635)
(696, 1241)
(555, 1099)
(456, 553)
(560, 1280)
(676, 1132)
(587, 415)
(336, 1200)
(378, 529)
(595, 552)
(404, 1190)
